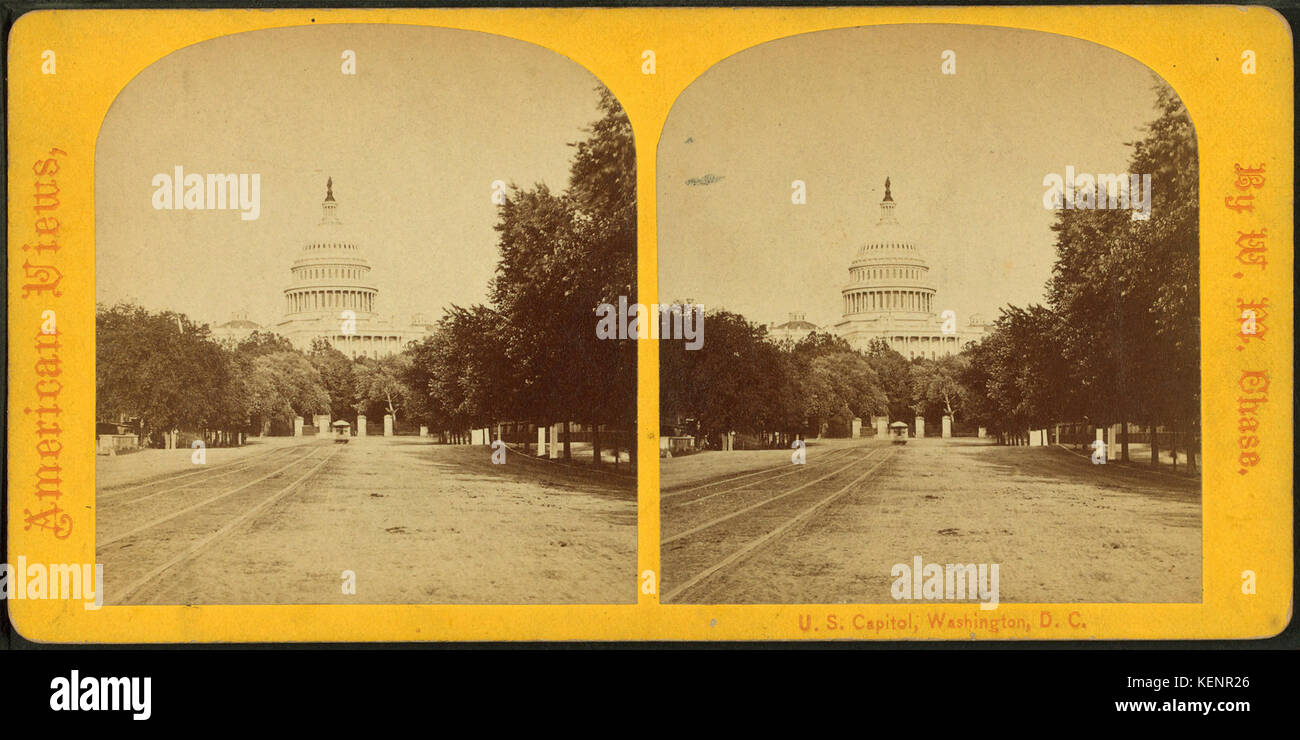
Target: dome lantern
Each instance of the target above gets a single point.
(887, 208)
(329, 206)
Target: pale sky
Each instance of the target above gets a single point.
(413, 142)
(841, 110)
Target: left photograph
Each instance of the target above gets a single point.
(346, 279)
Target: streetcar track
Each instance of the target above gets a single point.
(115, 503)
(795, 469)
(767, 537)
(771, 499)
(674, 494)
(204, 502)
(225, 529)
(114, 491)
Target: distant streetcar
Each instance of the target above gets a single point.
(898, 432)
(342, 432)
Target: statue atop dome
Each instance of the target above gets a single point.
(887, 208)
(330, 207)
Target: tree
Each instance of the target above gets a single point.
(853, 386)
(421, 374)
(379, 385)
(563, 256)
(937, 386)
(741, 381)
(1127, 290)
(976, 376)
(602, 186)
(716, 385)
(161, 369)
(260, 343)
(1164, 260)
(284, 385)
(895, 374)
(337, 378)
(1018, 377)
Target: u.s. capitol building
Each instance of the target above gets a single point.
(331, 296)
(890, 296)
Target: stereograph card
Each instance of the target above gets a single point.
(650, 324)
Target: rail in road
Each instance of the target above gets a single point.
(704, 491)
(115, 496)
(711, 528)
(186, 513)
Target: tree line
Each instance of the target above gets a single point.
(163, 373)
(743, 381)
(530, 354)
(1118, 341)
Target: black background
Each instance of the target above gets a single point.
(799, 688)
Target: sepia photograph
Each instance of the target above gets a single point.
(950, 276)
(345, 278)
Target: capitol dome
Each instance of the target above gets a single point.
(331, 295)
(888, 274)
(890, 296)
(888, 238)
(330, 273)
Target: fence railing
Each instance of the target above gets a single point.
(1085, 434)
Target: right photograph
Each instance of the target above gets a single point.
(949, 280)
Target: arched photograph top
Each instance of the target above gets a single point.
(951, 279)
(346, 278)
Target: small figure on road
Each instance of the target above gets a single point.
(1098, 452)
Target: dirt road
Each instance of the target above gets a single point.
(1060, 528)
(413, 521)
